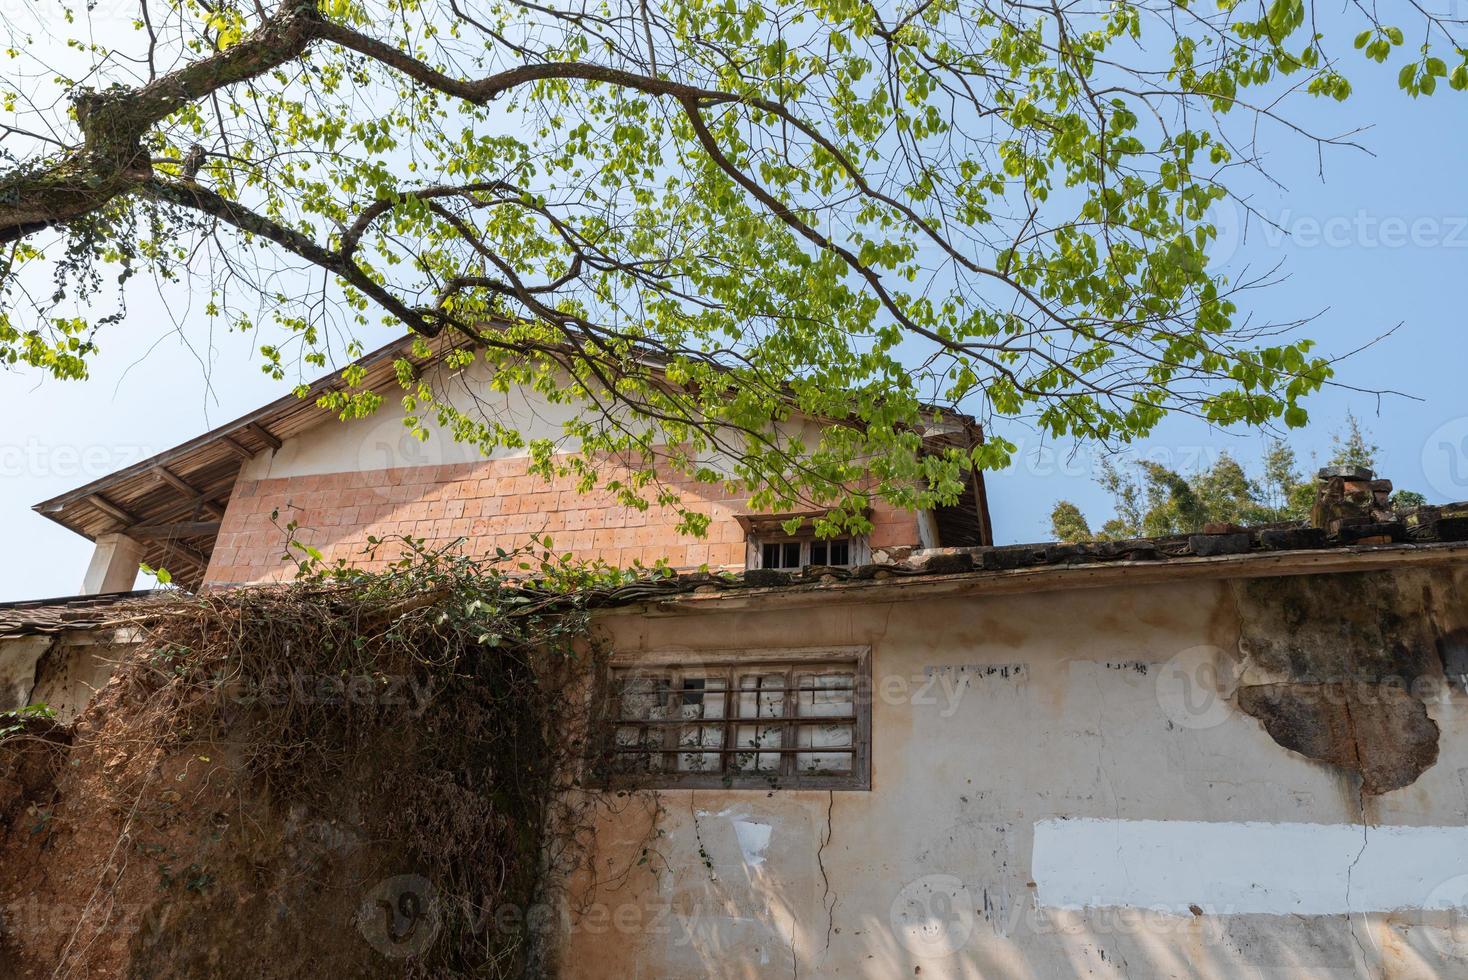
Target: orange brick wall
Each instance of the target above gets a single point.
(493, 503)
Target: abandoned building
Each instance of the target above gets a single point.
(213, 510)
(1238, 753)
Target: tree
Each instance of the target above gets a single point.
(1226, 493)
(689, 219)
(1068, 523)
(1223, 492)
(1352, 447)
(1283, 494)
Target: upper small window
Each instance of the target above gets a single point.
(771, 545)
(797, 554)
(834, 552)
(781, 554)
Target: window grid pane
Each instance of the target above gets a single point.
(793, 555)
(761, 724)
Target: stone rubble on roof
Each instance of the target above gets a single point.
(1352, 509)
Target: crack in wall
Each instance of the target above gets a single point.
(828, 901)
(1350, 869)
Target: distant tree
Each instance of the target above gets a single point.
(1165, 502)
(1352, 446)
(1284, 495)
(1069, 524)
(1128, 500)
(1225, 493)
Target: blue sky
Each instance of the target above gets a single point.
(1381, 240)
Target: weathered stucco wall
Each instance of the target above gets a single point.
(18, 658)
(1064, 785)
(61, 672)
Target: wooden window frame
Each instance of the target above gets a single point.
(858, 551)
(733, 664)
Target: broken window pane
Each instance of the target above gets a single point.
(761, 696)
(825, 695)
(644, 698)
(703, 698)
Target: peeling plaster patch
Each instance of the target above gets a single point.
(1381, 732)
(752, 835)
(1335, 669)
(1231, 868)
(18, 659)
(754, 840)
(1312, 943)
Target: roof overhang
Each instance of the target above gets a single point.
(172, 502)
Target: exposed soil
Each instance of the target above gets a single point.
(122, 858)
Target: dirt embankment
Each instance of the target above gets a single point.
(379, 776)
(124, 857)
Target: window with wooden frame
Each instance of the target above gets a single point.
(769, 545)
(798, 719)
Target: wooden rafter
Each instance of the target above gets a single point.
(112, 510)
(266, 436)
(180, 529)
(194, 494)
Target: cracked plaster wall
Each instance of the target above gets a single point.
(62, 674)
(994, 715)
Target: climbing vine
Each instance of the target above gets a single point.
(409, 747)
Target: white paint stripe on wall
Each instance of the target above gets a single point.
(1238, 868)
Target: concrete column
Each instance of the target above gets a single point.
(927, 525)
(114, 566)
